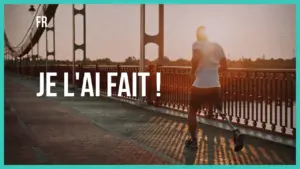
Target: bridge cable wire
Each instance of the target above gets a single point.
(29, 29)
(13, 50)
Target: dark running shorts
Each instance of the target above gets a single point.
(199, 97)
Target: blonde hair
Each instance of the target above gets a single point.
(200, 34)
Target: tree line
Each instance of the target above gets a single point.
(262, 62)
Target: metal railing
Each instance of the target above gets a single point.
(262, 99)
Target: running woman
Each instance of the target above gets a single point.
(207, 60)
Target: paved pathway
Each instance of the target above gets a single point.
(103, 131)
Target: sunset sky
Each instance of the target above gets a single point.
(113, 30)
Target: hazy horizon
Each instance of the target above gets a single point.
(113, 30)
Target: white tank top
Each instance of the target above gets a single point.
(207, 74)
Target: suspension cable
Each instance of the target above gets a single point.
(29, 29)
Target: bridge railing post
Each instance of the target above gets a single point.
(157, 100)
(81, 75)
(118, 78)
(149, 95)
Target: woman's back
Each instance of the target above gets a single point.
(207, 74)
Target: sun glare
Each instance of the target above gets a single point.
(217, 34)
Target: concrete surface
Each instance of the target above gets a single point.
(84, 130)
